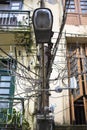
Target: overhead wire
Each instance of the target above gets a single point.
(59, 96)
(19, 62)
(54, 52)
(18, 80)
(13, 72)
(55, 48)
(78, 105)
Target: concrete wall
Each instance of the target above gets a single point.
(60, 101)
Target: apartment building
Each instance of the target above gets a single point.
(17, 61)
(76, 42)
(70, 61)
(16, 58)
(16, 54)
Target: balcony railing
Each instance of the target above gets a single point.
(10, 19)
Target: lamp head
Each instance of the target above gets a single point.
(42, 23)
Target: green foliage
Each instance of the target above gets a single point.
(25, 125)
(14, 119)
(25, 40)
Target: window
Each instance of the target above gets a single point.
(6, 79)
(7, 82)
(77, 62)
(83, 4)
(15, 5)
(4, 1)
(70, 6)
(77, 12)
(10, 4)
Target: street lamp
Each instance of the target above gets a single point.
(42, 22)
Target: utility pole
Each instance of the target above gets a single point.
(44, 115)
(42, 4)
(43, 72)
(42, 21)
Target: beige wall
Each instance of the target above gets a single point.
(31, 4)
(81, 29)
(59, 100)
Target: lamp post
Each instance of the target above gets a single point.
(42, 22)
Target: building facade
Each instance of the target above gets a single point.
(76, 41)
(16, 56)
(18, 59)
(70, 61)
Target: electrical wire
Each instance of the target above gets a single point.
(59, 36)
(59, 96)
(78, 105)
(13, 72)
(18, 80)
(60, 32)
(18, 62)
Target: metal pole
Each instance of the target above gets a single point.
(44, 99)
(44, 120)
(42, 3)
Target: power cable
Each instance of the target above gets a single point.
(59, 96)
(59, 36)
(78, 105)
(19, 62)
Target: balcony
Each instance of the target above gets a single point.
(14, 20)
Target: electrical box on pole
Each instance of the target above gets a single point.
(42, 23)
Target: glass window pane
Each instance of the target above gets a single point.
(71, 2)
(4, 96)
(14, 8)
(5, 78)
(73, 10)
(71, 6)
(15, 4)
(4, 105)
(84, 10)
(83, 4)
(83, 7)
(4, 84)
(4, 91)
